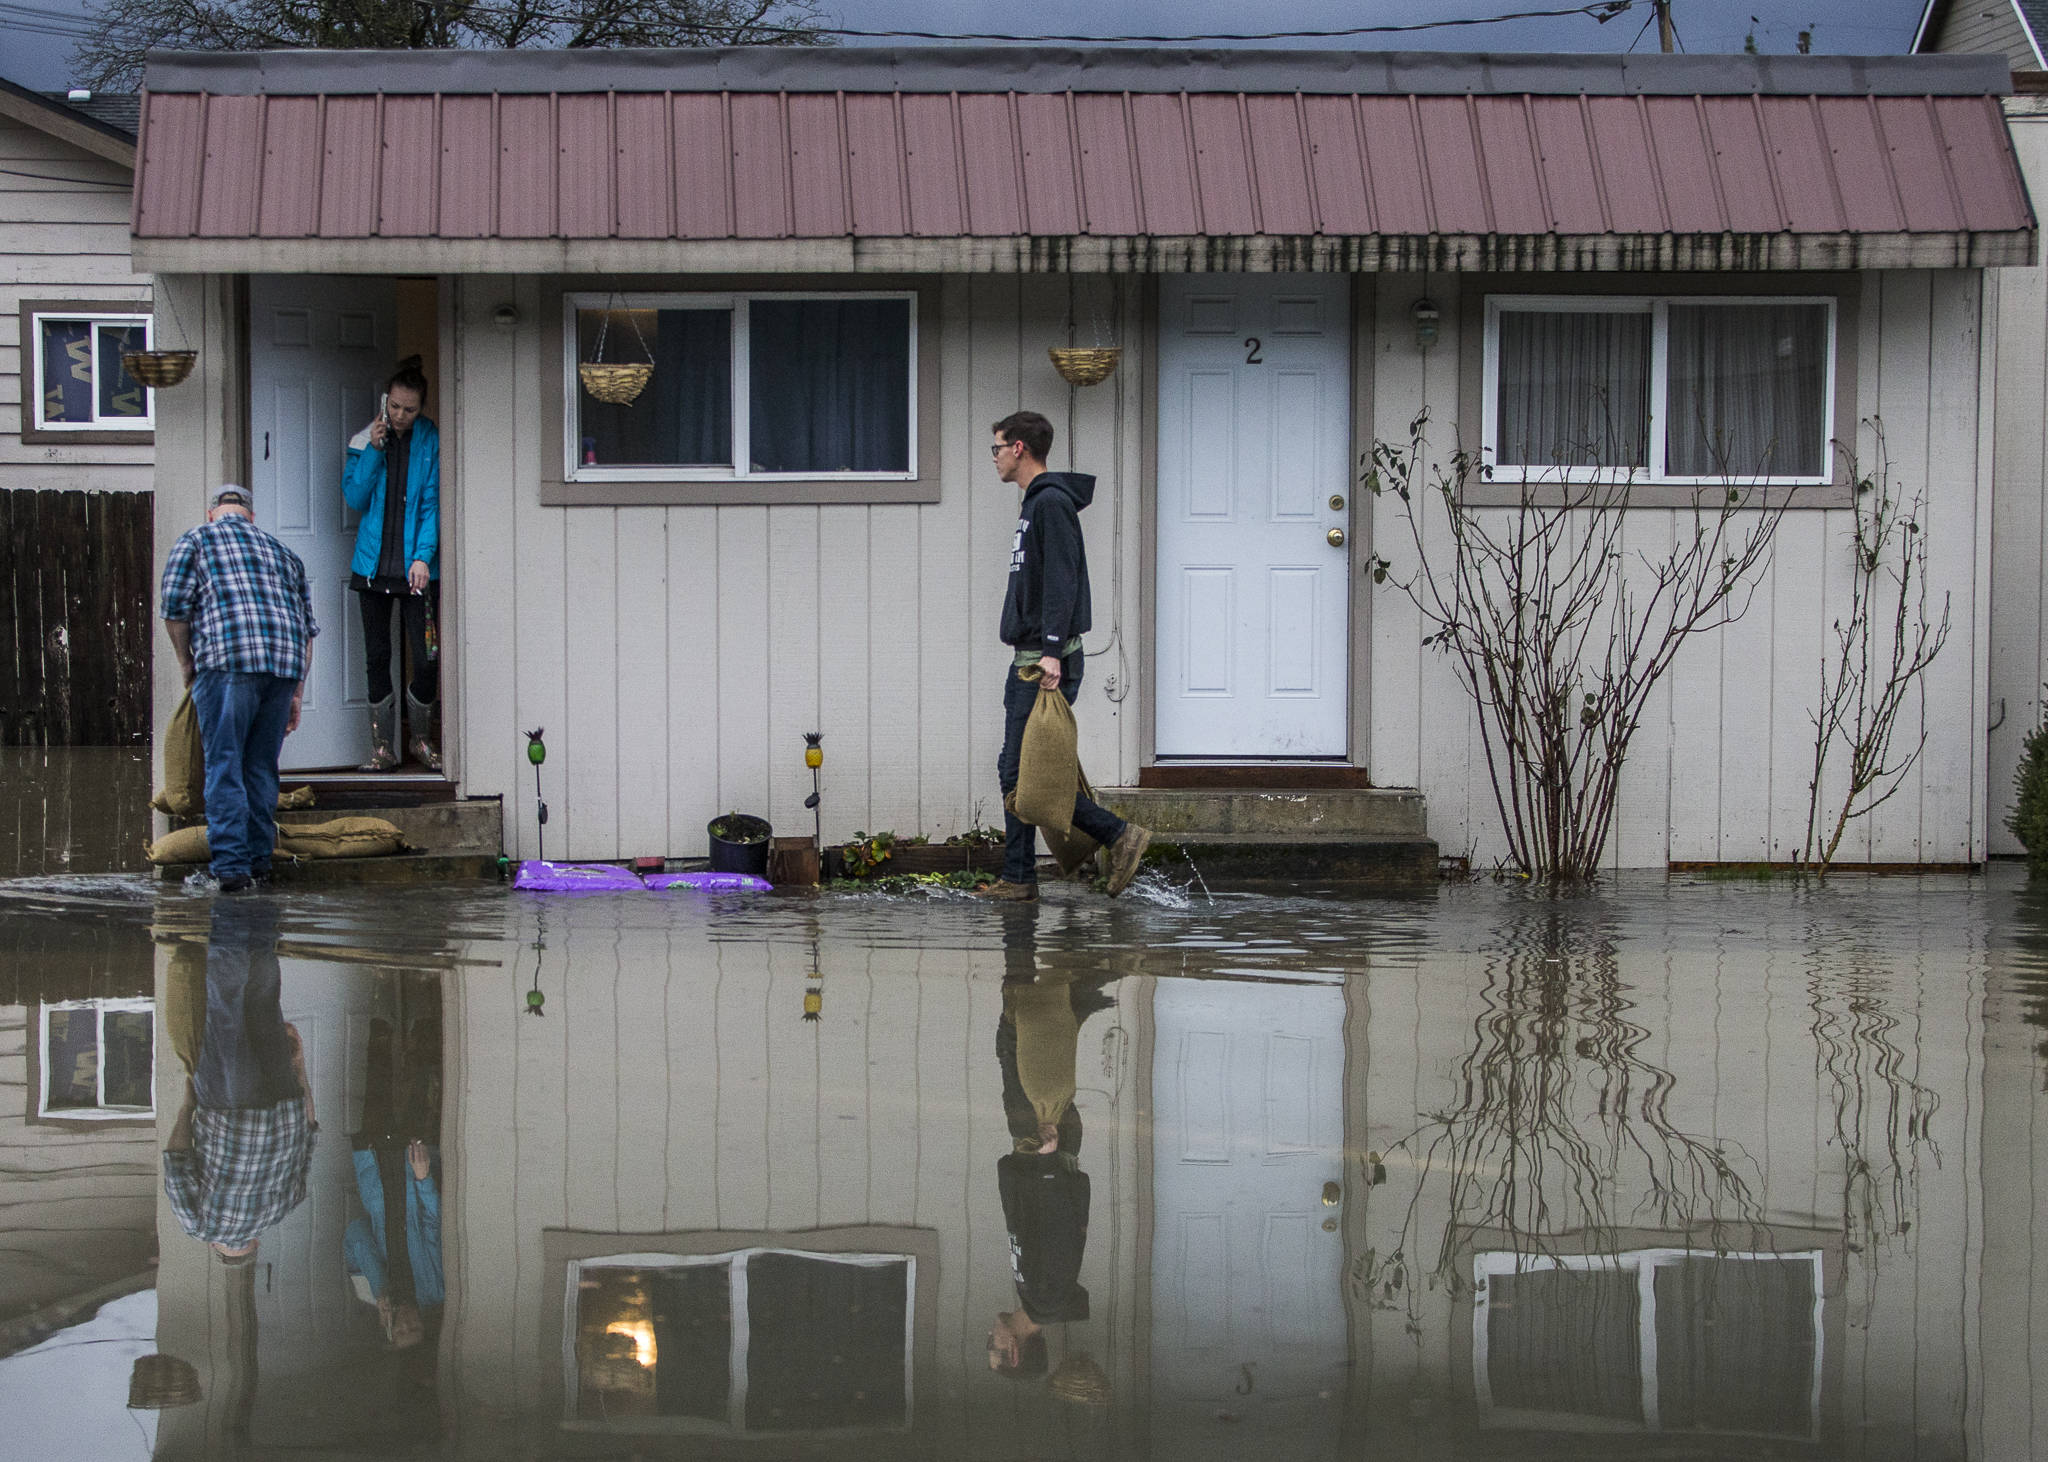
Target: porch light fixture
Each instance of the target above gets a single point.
(1426, 316)
(505, 316)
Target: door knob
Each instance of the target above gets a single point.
(1336, 537)
(1332, 1194)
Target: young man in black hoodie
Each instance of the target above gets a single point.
(1045, 613)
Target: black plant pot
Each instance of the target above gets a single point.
(744, 848)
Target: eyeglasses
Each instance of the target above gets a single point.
(996, 449)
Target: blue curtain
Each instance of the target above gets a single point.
(831, 385)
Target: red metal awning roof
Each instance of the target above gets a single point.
(1047, 166)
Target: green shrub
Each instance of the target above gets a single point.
(2029, 820)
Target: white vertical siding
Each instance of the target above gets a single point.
(1719, 768)
(60, 239)
(675, 655)
(2018, 648)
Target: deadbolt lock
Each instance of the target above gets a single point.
(1336, 502)
(1336, 537)
(1331, 1194)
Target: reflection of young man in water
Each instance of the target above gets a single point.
(1045, 1193)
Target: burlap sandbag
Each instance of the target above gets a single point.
(186, 845)
(344, 837)
(1049, 767)
(184, 791)
(1073, 847)
(296, 799)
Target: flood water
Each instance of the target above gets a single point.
(1682, 1168)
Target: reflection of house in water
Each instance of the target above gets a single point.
(77, 1137)
(1462, 1203)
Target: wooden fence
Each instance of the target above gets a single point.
(75, 617)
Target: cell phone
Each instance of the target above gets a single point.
(383, 404)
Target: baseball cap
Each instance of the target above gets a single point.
(230, 493)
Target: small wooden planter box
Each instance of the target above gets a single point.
(922, 858)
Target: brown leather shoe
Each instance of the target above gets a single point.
(1125, 856)
(1007, 892)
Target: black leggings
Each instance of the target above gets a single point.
(426, 674)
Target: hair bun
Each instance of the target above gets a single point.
(412, 363)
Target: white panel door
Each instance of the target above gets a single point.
(1253, 628)
(1248, 1256)
(319, 351)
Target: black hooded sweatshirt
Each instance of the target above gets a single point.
(1046, 603)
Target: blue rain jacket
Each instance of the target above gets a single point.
(362, 484)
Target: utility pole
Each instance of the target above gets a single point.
(1665, 36)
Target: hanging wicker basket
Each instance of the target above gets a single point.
(159, 1381)
(158, 369)
(1085, 365)
(619, 384)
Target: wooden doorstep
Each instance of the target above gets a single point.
(1254, 776)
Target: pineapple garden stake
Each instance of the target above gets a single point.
(814, 757)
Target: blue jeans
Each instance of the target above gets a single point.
(245, 1057)
(242, 717)
(1020, 846)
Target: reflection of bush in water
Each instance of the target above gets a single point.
(1559, 1112)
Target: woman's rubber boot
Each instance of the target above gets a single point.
(383, 735)
(419, 716)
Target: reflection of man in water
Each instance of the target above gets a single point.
(1044, 1191)
(238, 1155)
(396, 1248)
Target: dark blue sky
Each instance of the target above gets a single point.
(1853, 26)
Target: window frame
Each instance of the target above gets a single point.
(1658, 307)
(1645, 1262)
(734, 1425)
(101, 1006)
(739, 302)
(108, 431)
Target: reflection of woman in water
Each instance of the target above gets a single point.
(396, 1246)
(1044, 1191)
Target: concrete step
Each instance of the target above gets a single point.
(1261, 862)
(475, 827)
(346, 872)
(1345, 814)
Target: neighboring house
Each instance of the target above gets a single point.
(76, 433)
(845, 265)
(2018, 649)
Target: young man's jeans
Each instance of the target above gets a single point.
(1020, 849)
(242, 717)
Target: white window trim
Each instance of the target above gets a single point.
(1658, 308)
(734, 1424)
(738, 303)
(1645, 1263)
(102, 1112)
(32, 379)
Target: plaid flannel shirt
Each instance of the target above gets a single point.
(244, 1171)
(245, 596)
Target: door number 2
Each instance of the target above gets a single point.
(1251, 351)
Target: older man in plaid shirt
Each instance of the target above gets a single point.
(236, 607)
(242, 1145)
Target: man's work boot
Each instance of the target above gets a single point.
(1125, 854)
(1004, 891)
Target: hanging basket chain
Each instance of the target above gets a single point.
(617, 383)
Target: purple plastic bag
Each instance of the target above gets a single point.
(711, 882)
(539, 877)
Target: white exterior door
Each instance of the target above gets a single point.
(319, 349)
(1253, 629)
(1248, 1254)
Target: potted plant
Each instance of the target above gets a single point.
(739, 843)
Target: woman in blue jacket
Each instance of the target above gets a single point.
(393, 480)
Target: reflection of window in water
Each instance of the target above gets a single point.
(1655, 1339)
(756, 1341)
(98, 1059)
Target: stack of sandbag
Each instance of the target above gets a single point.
(343, 837)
